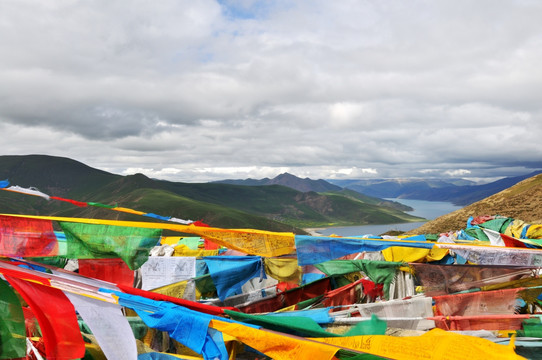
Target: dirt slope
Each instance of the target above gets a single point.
(521, 201)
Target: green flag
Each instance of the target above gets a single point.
(12, 328)
(305, 326)
(95, 241)
(380, 272)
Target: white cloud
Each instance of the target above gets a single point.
(196, 91)
(458, 172)
(345, 115)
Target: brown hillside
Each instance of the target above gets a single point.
(521, 201)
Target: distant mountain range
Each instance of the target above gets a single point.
(270, 207)
(522, 201)
(289, 180)
(284, 203)
(460, 192)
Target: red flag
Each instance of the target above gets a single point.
(512, 242)
(289, 297)
(345, 295)
(193, 305)
(56, 318)
(74, 202)
(371, 289)
(8, 268)
(24, 237)
(31, 323)
(207, 244)
(284, 285)
(112, 270)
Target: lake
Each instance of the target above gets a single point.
(427, 209)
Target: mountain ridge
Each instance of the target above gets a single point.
(458, 192)
(318, 186)
(289, 180)
(522, 201)
(273, 207)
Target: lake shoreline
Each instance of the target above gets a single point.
(319, 231)
(360, 230)
(314, 231)
(426, 209)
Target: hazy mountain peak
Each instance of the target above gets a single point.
(522, 201)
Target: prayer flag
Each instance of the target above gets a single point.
(296, 325)
(283, 269)
(442, 279)
(249, 241)
(108, 324)
(498, 239)
(12, 325)
(56, 318)
(74, 202)
(308, 292)
(408, 254)
(91, 241)
(496, 302)
(316, 249)
(229, 273)
(276, 345)
(112, 270)
(380, 272)
(188, 327)
(435, 344)
(159, 271)
(345, 295)
(29, 191)
(24, 237)
(204, 308)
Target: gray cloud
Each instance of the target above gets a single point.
(198, 91)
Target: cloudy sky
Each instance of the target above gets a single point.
(196, 91)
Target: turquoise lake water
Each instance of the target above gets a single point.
(426, 209)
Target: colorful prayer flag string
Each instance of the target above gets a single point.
(4, 185)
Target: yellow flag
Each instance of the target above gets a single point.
(170, 240)
(250, 241)
(129, 211)
(276, 345)
(183, 250)
(436, 344)
(175, 290)
(534, 231)
(255, 242)
(408, 254)
(287, 308)
(283, 269)
(515, 228)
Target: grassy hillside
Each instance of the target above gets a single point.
(58, 175)
(305, 209)
(275, 207)
(374, 201)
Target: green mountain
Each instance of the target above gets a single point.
(289, 180)
(274, 207)
(319, 186)
(374, 200)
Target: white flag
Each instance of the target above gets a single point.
(108, 325)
